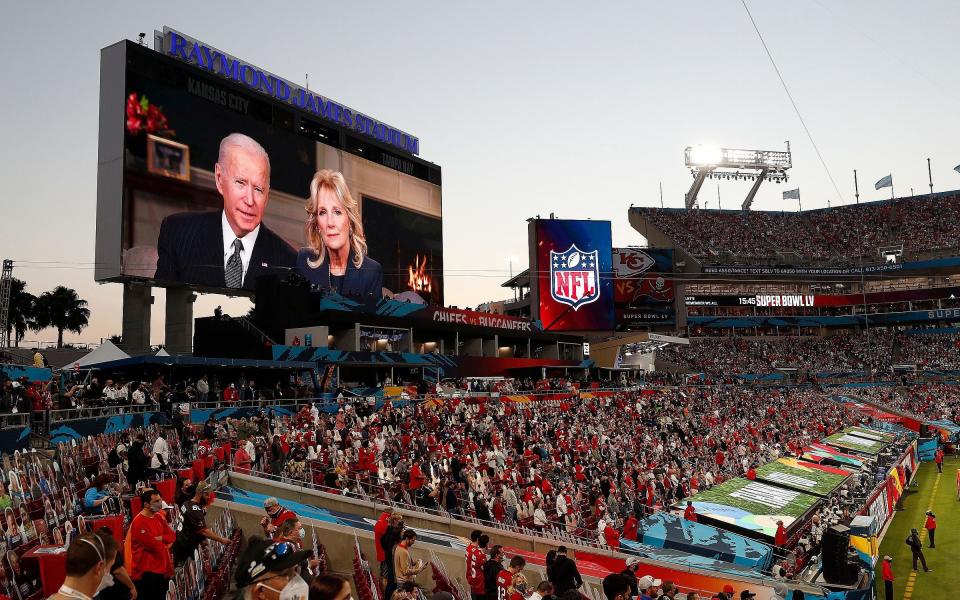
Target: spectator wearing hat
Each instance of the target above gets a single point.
(727, 593)
(267, 568)
(916, 548)
(276, 515)
(780, 538)
(931, 527)
(747, 595)
(648, 586)
(887, 578)
(195, 530)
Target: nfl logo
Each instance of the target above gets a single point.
(574, 277)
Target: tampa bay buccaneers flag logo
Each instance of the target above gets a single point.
(574, 277)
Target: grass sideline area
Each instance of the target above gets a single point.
(944, 580)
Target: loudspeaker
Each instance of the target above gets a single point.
(836, 541)
(925, 430)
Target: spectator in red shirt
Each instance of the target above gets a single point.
(938, 458)
(230, 395)
(276, 515)
(417, 478)
(383, 523)
(475, 557)
(690, 513)
(630, 528)
(780, 539)
(242, 460)
(611, 536)
(931, 527)
(505, 578)
(150, 538)
(888, 578)
(751, 473)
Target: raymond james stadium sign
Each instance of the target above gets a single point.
(191, 51)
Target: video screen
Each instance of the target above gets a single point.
(216, 183)
(643, 287)
(573, 263)
(412, 256)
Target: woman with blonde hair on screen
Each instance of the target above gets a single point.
(336, 254)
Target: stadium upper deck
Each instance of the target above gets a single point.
(915, 228)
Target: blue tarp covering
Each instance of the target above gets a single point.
(926, 448)
(31, 373)
(667, 530)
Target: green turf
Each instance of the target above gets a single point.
(944, 580)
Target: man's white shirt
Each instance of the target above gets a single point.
(248, 241)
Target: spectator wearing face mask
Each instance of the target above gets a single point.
(267, 571)
(89, 560)
(293, 531)
(276, 515)
(117, 585)
(195, 528)
(150, 538)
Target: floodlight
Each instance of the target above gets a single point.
(706, 155)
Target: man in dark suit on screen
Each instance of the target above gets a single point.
(232, 247)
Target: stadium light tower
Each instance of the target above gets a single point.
(727, 163)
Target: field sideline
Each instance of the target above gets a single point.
(944, 579)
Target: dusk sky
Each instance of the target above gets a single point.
(529, 107)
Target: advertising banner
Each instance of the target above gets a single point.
(643, 286)
(573, 266)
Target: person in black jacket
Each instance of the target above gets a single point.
(389, 541)
(230, 247)
(564, 575)
(137, 461)
(916, 547)
(491, 569)
(276, 456)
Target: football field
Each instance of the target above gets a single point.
(939, 494)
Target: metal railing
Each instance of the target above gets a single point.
(549, 533)
(87, 412)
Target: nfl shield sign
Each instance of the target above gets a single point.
(574, 277)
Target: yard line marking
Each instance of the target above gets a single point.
(908, 590)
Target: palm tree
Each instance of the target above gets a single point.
(63, 310)
(21, 311)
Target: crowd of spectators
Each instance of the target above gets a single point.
(933, 401)
(586, 469)
(929, 350)
(921, 224)
(846, 352)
